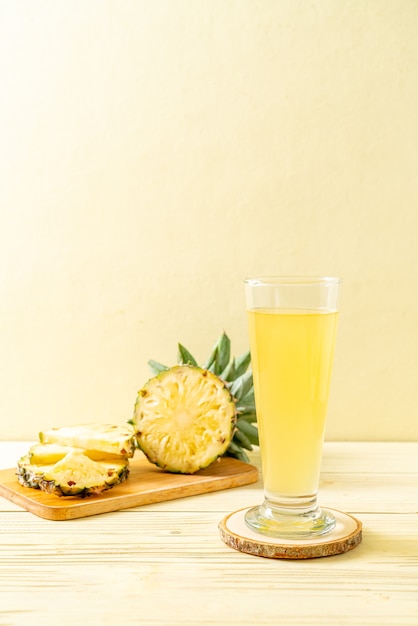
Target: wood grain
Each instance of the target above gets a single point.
(146, 484)
(164, 562)
(346, 536)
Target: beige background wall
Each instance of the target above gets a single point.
(155, 152)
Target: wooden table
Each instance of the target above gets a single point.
(164, 564)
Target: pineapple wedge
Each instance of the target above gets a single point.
(50, 453)
(102, 438)
(77, 475)
(184, 419)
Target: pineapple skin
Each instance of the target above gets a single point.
(29, 475)
(59, 489)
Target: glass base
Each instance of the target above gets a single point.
(275, 522)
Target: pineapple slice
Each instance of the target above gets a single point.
(184, 419)
(101, 438)
(237, 374)
(49, 453)
(77, 475)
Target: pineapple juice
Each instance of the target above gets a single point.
(291, 355)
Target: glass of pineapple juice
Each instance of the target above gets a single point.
(292, 329)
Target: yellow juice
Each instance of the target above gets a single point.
(291, 355)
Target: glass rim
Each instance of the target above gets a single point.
(271, 281)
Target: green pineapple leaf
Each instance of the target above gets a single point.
(156, 367)
(235, 450)
(250, 431)
(242, 385)
(224, 353)
(185, 357)
(229, 374)
(248, 416)
(211, 361)
(242, 440)
(242, 363)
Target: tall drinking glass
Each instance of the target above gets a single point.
(292, 329)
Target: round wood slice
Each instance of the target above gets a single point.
(346, 535)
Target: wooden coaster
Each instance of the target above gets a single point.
(346, 535)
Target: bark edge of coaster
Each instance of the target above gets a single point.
(346, 536)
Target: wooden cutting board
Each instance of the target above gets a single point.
(146, 484)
